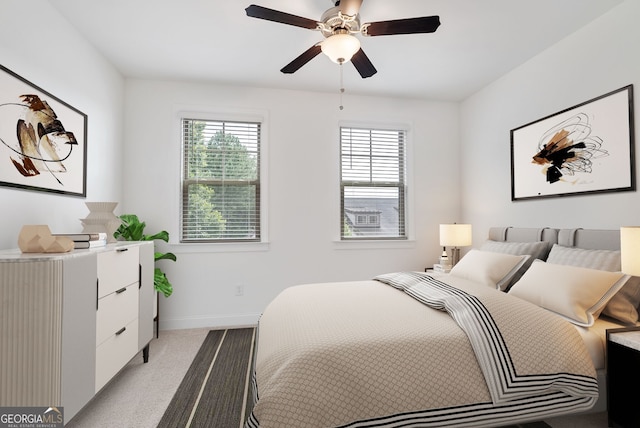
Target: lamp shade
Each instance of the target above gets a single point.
(455, 235)
(630, 249)
(340, 47)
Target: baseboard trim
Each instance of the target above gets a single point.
(230, 321)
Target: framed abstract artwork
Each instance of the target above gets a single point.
(587, 148)
(43, 140)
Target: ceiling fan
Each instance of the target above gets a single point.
(339, 25)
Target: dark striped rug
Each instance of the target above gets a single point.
(215, 392)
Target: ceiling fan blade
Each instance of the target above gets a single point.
(425, 24)
(362, 63)
(349, 7)
(304, 58)
(255, 11)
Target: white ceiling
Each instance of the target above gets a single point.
(214, 41)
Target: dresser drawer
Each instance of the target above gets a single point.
(115, 311)
(115, 353)
(117, 269)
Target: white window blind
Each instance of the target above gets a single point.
(373, 183)
(220, 181)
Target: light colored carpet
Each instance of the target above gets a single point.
(138, 396)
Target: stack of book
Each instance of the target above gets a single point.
(441, 268)
(86, 240)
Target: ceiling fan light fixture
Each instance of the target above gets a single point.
(340, 47)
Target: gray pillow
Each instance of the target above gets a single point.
(623, 306)
(536, 249)
(608, 260)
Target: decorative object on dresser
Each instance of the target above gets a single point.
(70, 322)
(38, 239)
(86, 240)
(101, 219)
(132, 229)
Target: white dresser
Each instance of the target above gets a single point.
(70, 321)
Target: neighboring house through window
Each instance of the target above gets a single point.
(220, 181)
(373, 183)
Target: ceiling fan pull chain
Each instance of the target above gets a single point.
(341, 85)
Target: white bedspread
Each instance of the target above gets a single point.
(361, 354)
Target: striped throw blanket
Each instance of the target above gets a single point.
(489, 345)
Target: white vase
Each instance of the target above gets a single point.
(101, 219)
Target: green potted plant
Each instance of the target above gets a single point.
(132, 229)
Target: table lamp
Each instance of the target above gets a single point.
(455, 235)
(630, 250)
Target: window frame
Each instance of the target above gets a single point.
(223, 115)
(405, 186)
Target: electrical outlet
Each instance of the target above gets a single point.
(239, 290)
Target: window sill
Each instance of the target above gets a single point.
(227, 247)
(373, 244)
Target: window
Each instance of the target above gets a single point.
(373, 184)
(367, 219)
(220, 181)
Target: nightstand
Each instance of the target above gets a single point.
(623, 376)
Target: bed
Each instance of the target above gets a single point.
(484, 345)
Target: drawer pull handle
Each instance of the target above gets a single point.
(119, 332)
(122, 290)
(122, 250)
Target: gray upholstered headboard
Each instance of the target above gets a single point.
(523, 234)
(590, 239)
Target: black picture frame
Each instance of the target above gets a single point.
(43, 140)
(584, 149)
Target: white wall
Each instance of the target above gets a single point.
(302, 186)
(597, 59)
(40, 46)
(134, 159)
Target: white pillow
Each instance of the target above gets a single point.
(622, 306)
(576, 293)
(537, 250)
(489, 268)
